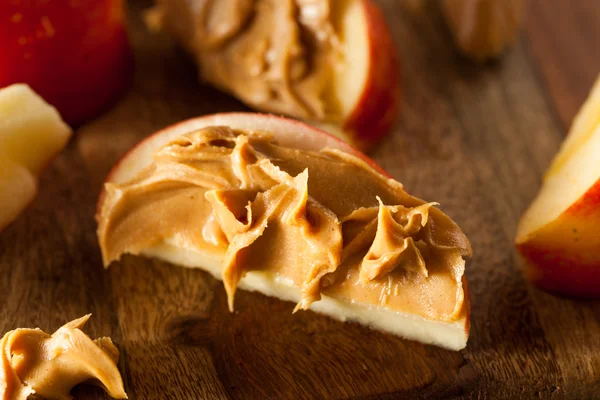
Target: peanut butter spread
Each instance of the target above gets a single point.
(275, 55)
(48, 366)
(324, 221)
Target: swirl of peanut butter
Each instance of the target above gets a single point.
(324, 221)
(389, 234)
(48, 366)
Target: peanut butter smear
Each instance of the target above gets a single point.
(275, 55)
(48, 366)
(324, 220)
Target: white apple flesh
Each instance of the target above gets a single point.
(31, 134)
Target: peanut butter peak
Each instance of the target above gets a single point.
(390, 235)
(324, 221)
(49, 366)
(310, 228)
(275, 55)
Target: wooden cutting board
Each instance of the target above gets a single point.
(475, 138)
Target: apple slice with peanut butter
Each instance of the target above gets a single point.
(332, 62)
(276, 206)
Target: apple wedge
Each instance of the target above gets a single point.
(31, 134)
(350, 88)
(449, 331)
(559, 235)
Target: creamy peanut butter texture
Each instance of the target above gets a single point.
(48, 366)
(324, 221)
(275, 55)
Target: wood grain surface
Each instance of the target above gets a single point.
(474, 138)
(564, 38)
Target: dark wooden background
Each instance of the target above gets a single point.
(475, 138)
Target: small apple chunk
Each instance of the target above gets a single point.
(559, 235)
(17, 189)
(31, 134)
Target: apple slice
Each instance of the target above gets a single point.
(450, 333)
(31, 134)
(360, 100)
(559, 235)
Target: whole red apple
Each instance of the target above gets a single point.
(74, 53)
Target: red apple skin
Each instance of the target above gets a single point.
(75, 54)
(333, 142)
(379, 104)
(563, 257)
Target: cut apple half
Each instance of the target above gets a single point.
(360, 99)
(31, 134)
(559, 235)
(450, 332)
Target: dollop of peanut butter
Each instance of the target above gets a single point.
(275, 55)
(48, 366)
(482, 29)
(389, 234)
(324, 220)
